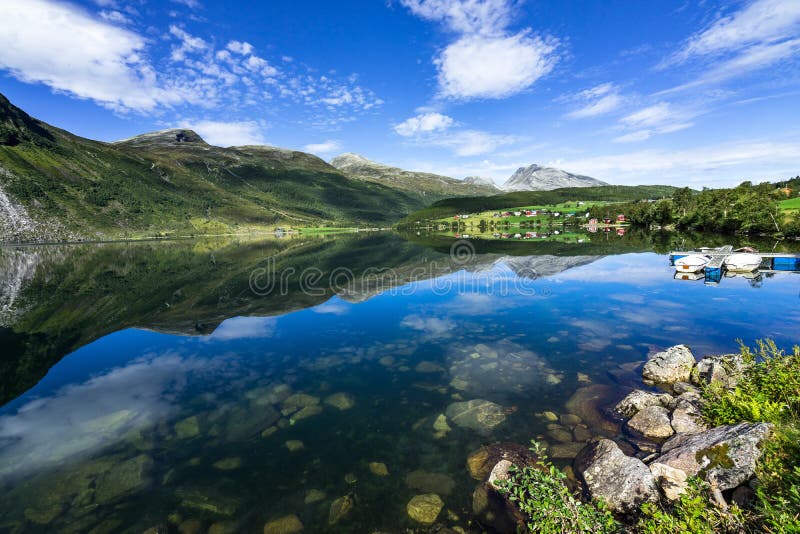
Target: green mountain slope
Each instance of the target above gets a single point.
(428, 186)
(55, 185)
(609, 193)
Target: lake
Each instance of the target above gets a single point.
(221, 384)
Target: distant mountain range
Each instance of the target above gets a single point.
(429, 186)
(538, 178)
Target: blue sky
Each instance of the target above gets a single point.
(695, 93)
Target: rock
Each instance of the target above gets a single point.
(277, 393)
(305, 413)
(350, 478)
(550, 417)
(386, 361)
(187, 428)
(430, 482)
(378, 469)
(685, 387)
(481, 461)
(428, 367)
(652, 422)
(124, 478)
(269, 431)
(479, 415)
(622, 481)
(724, 369)
(686, 418)
(340, 508)
(569, 419)
(666, 368)
(340, 401)
(743, 497)
(294, 445)
(588, 402)
(560, 434)
(672, 481)
(191, 526)
(726, 455)
(223, 527)
(499, 474)
(563, 451)
(300, 400)
(228, 464)
(425, 508)
(639, 399)
(582, 433)
(440, 424)
(43, 515)
(314, 495)
(208, 500)
(289, 524)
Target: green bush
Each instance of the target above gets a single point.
(693, 512)
(541, 493)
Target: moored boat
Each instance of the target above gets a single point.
(693, 263)
(743, 262)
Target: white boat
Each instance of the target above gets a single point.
(689, 276)
(743, 262)
(693, 263)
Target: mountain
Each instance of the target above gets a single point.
(480, 180)
(429, 186)
(57, 186)
(538, 178)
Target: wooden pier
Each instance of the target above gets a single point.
(771, 262)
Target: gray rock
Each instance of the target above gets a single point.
(725, 456)
(686, 418)
(478, 414)
(652, 422)
(638, 399)
(499, 474)
(685, 387)
(672, 481)
(623, 482)
(724, 369)
(666, 368)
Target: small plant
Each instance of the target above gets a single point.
(541, 493)
(693, 512)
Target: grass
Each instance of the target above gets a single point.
(790, 204)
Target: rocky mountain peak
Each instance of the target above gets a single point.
(172, 137)
(539, 178)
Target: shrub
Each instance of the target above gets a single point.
(541, 493)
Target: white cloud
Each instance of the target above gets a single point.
(660, 118)
(433, 327)
(192, 4)
(493, 67)
(757, 36)
(220, 133)
(68, 50)
(188, 43)
(326, 147)
(473, 142)
(240, 47)
(598, 100)
(487, 60)
(487, 17)
(424, 123)
(649, 116)
(760, 22)
(114, 16)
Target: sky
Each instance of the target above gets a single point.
(684, 92)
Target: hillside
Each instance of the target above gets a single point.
(538, 178)
(429, 186)
(56, 186)
(609, 193)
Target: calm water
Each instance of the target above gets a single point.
(159, 384)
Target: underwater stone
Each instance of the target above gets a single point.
(430, 482)
(187, 428)
(340, 508)
(308, 411)
(228, 464)
(191, 526)
(294, 445)
(477, 414)
(300, 400)
(289, 524)
(341, 401)
(126, 477)
(440, 424)
(379, 469)
(428, 367)
(314, 495)
(425, 508)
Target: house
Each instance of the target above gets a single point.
(593, 222)
(517, 236)
(506, 214)
(606, 221)
(455, 217)
(620, 232)
(517, 213)
(464, 216)
(531, 235)
(620, 218)
(505, 236)
(557, 214)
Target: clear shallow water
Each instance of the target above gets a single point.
(169, 395)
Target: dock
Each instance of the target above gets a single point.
(771, 262)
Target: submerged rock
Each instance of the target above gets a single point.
(623, 482)
(481, 461)
(479, 415)
(187, 428)
(341, 401)
(294, 445)
(428, 367)
(228, 464)
(425, 508)
(726, 456)
(299, 400)
(340, 508)
(666, 368)
(208, 500)
(305, 413)
(124, 478)
(652, 422)
(289, 524)
(588, 402)
(638, 399)
(314, 495)
(430, 482)
(378, 469)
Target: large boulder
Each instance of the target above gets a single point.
(481, 461)
(623, 482)
(425, 508)
(666, 368)
(652, 422)
(638, 399)
(589, 404)
(686, 418)
(725, 456)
